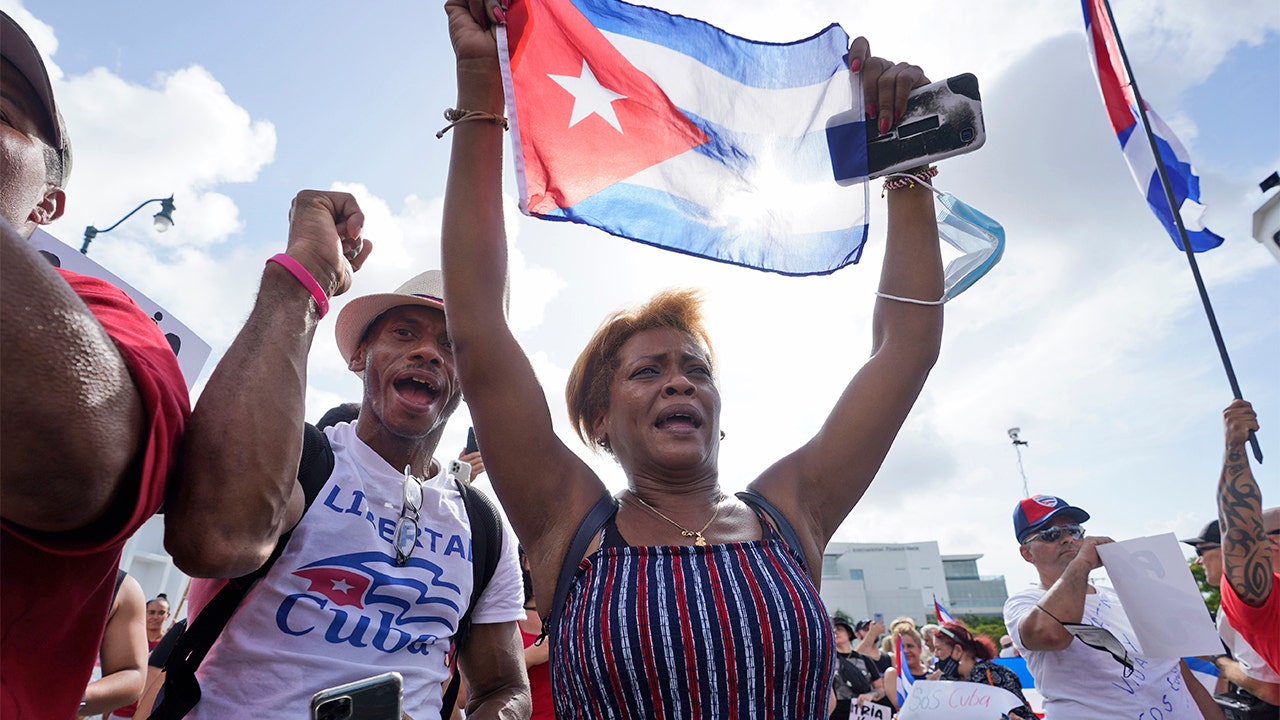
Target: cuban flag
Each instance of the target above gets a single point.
(670, 132)
(1204, 671)
(903, 669)
(941, 612)
(1122, 108)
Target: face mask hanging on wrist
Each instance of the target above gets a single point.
(975, 234)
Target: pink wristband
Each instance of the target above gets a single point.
(295, 268)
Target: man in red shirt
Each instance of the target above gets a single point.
(92, 407)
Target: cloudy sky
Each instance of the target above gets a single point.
(1088, 336)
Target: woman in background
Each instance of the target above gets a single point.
(963, 657)
(903, 628)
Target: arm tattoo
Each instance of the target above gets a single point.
(1246, 552)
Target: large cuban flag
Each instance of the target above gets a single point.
(1122, 108)
(671, 132)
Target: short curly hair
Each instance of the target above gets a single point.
(587, 392)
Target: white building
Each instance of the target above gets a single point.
(861, 579)
(971, 593)
(144, 558)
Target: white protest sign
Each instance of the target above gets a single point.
(192, 351)
(956, 701)
(1160, 597)
(868, 711)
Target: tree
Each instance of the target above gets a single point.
(991, 626)
(1212, 596)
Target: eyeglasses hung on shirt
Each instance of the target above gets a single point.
(406, 535)
(1053, 534)
(1101, 639)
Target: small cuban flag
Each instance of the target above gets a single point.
(1122, 109)
(904, 671)
(941, 612)
(671, 132)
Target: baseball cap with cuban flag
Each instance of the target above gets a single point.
(1034, 513)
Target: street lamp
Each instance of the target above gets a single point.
(162, 221)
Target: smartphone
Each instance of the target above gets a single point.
(471, 441)
(878, 617)
(942, 120)
(376, 698)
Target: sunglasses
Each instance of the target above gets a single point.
(406, 535)
(1053, 534)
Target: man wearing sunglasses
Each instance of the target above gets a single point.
(377, 572)
(1243, 667)
(1076, 638)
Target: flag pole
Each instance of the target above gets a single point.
(1177, 220)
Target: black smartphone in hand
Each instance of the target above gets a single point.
(375, 698)
(471, 441)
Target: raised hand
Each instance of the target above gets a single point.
(324, 235)
(471, 25)
(1237, 421)
(885, 84)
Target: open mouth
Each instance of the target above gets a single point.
(679, 418)
(418, 389)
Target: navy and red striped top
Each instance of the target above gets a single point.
(722, 631)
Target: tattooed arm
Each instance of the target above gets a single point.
(1246, 552)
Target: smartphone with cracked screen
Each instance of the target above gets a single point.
(942, 120)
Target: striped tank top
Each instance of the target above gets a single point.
(735, 630)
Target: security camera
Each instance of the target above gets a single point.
(1013, 433)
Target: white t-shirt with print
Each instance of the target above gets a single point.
(337, 608)
(1081, 683)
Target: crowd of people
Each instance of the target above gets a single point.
(324, 554)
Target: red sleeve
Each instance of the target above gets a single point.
(1259, 626)
(163, 392)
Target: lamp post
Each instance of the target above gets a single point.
(1018, 443)
(162, 221)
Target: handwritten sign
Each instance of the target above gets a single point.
(192, 351)
(868, 711)
(956, 701)
(1151, 574)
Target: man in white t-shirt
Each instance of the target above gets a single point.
(377, 573)
(1077, 681)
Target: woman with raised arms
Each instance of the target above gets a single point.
(682, 601)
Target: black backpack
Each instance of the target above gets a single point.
(181, 688)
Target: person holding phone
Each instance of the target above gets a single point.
(377, 573)
(661, 616)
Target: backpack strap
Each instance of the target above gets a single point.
(486, 549)
(120, 576)
(181, 689)
(595, 519)
(757, 502)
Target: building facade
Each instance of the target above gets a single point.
(862, 579)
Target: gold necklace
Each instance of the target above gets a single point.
(698, 539)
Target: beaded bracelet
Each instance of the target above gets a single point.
(908, 179)
(455, 116)
(295, 268)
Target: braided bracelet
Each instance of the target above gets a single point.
(908, 179)
(455, 116)
(296, 269)
(912, 301)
